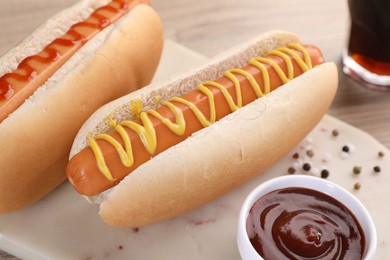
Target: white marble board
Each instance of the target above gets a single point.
(64, 226)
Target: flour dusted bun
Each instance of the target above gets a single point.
(35, 139)
(220, 157)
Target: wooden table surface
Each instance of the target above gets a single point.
(209, 27)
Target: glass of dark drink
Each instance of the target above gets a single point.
(367, 58)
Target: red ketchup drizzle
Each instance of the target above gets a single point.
(71, 41)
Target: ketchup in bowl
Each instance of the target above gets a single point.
(302, 223)
(304, 217)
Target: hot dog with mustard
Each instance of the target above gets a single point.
(149, 161)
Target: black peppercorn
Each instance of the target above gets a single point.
(324, 173)
(306, 167)
(345, 148)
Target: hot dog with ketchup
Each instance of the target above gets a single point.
(80, 59)
(208, 132)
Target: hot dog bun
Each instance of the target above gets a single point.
(218, 158)
(35, 140)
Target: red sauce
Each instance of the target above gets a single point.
(300, 223)
(41, 66)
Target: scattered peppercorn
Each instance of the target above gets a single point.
(335, 132)
(381, 154)
(310, 153)
(291, 170)
(377, 169)
(357, 169)
(345, 148)
(295, 155)
(357, 186)
(324, 173)
(306, 167)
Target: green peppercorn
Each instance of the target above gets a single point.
(357, 169)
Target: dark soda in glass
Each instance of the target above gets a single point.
(369, 42)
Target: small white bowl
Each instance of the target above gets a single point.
(245, 247)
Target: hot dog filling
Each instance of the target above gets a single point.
(33, 71)
(112, 156)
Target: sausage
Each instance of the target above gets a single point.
(91, 178)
